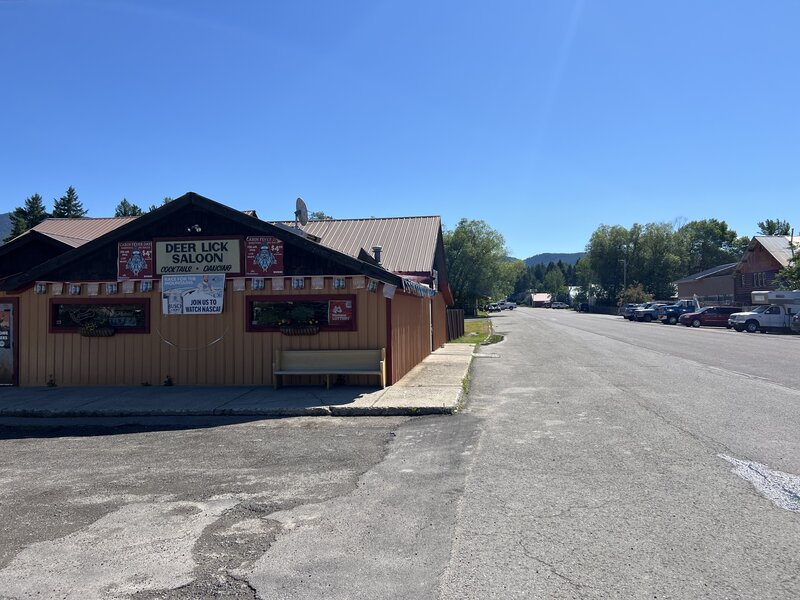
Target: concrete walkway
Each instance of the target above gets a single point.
(435, 386)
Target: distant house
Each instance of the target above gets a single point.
(540, 299)
(764, 257)
(714, 285)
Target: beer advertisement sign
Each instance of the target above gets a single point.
(263, 256)
(134, 260)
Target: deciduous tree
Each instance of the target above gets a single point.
(635, 294)
(607, 254)
(708, 243)
(476, 255)
(660, 262)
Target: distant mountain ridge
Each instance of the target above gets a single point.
(545, 259)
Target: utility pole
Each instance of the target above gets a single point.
(624, 273)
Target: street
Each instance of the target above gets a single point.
(594, 458)
(604, 465)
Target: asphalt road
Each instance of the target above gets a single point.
(604, 467)
(595, 458)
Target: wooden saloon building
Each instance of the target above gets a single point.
(197, 293)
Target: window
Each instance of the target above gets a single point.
(330, 313)
(123, 316)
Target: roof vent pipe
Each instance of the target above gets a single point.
(376, 251)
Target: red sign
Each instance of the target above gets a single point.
(340, 311)
(263, 256)
(135, 260)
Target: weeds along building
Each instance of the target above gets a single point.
(204, 294)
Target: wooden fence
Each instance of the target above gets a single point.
(455, 323)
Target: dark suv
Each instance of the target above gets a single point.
(709, 316)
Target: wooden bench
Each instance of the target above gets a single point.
(329, 362)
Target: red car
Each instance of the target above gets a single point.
(710, 316)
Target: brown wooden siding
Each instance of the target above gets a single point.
(757, 261)
(410, 333)
(439, 321)
(191, 349)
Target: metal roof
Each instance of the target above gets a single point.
(115, 232)
(76, 232)
(408, 244)
(717, 271)
(779, 246)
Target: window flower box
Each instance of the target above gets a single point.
(94, 331)
(299, 329)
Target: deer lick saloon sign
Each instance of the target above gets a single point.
(183, 257)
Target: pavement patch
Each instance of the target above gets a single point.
(783, 489)
(138, 547)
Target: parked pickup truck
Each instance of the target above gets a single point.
(795, 324)
(648, 312)
(671, 313)
(626, 310)
(776, 316)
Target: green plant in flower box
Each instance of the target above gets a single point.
(302, 315)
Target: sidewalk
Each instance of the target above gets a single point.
(432, 387)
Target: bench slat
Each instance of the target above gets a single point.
(316, 371)
(329, 362)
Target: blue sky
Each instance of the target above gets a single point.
(543, 118)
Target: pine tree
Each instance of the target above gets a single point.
(774, 227)
(25, 217)
(68, 206)
(166, 201)
(126, 209)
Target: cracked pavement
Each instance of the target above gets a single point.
(165, 513)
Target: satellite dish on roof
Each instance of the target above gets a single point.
(300, 213)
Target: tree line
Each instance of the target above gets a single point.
(68, 206)
(479, 269)
(640, 263)
(620, 264)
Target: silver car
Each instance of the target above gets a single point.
(627, 310)
(648, 312)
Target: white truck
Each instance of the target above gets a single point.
(774, 312)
